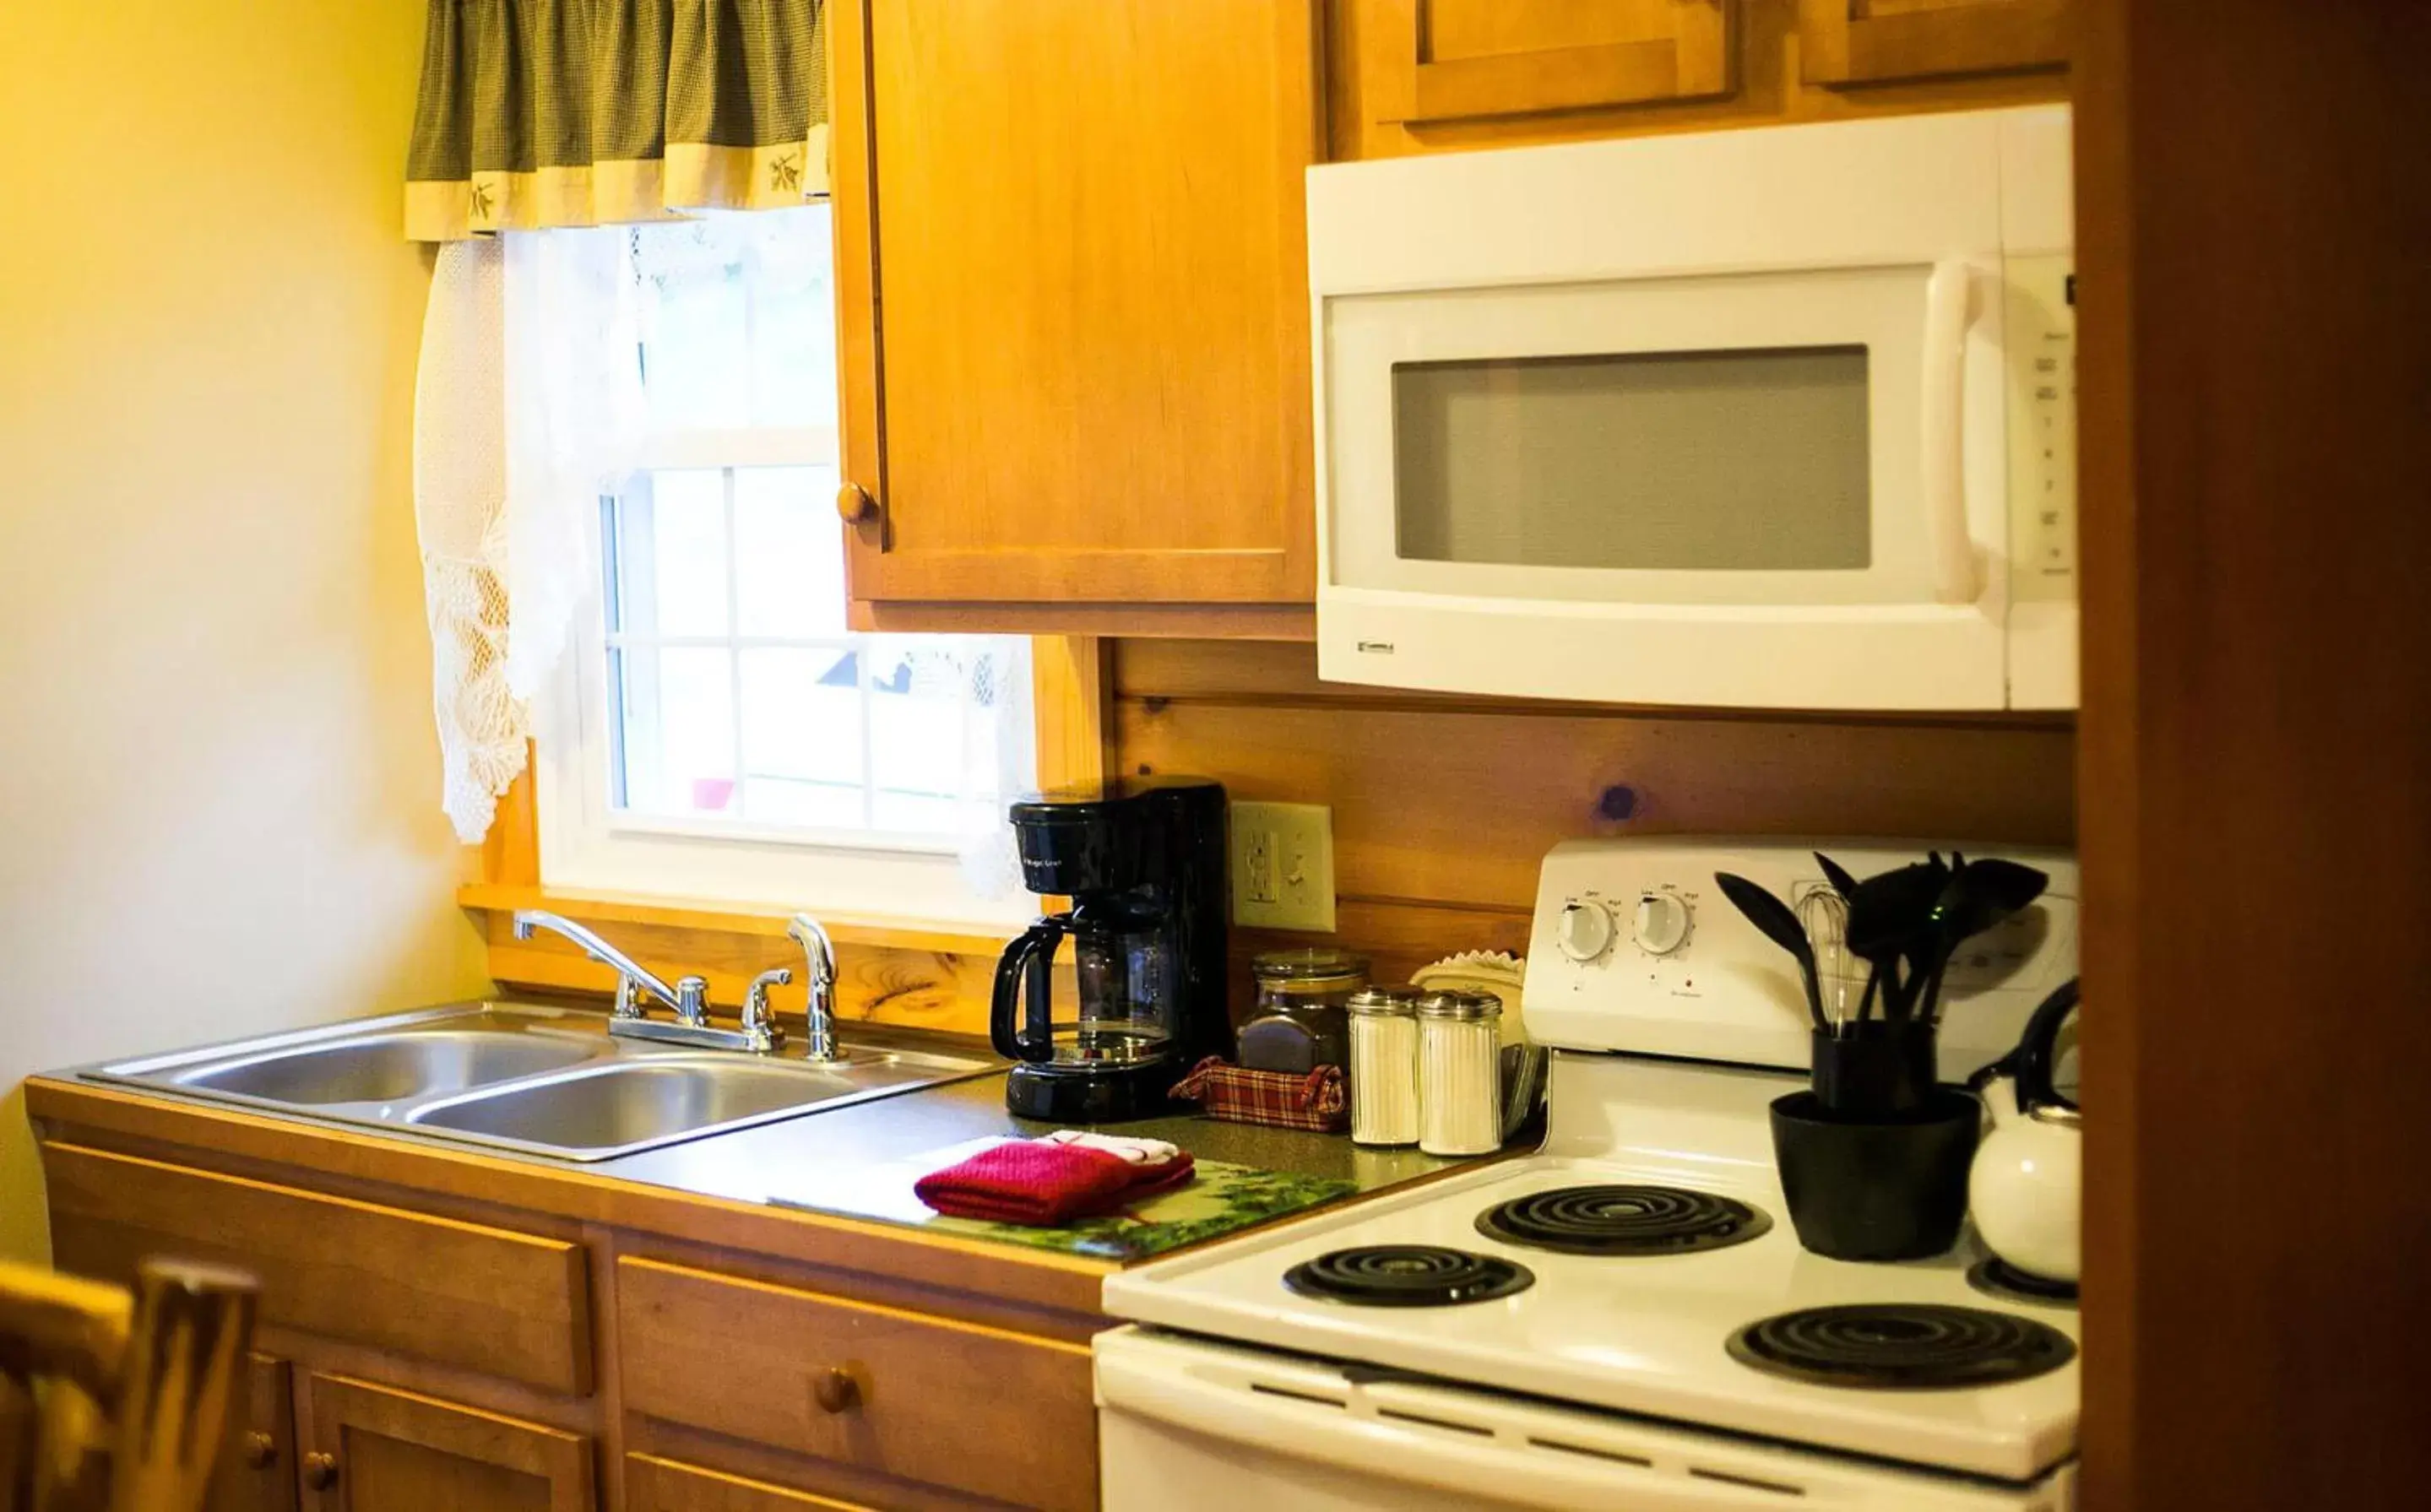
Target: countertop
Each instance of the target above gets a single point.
(860, 1161)
(854, 1164)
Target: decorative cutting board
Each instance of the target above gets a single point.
(1220, 1199)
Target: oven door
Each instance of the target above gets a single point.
(1775, 489)
(1190, 1425)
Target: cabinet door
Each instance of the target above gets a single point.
(1436, 60)
(1073, 298)
(374, 1448)
(257, 1472)
(1877, 41)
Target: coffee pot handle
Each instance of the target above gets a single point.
(1027, 961)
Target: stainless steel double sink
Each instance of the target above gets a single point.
(536, 1080)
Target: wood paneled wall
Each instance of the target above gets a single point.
(1444, 806)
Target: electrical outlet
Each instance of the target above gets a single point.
(1283, 866)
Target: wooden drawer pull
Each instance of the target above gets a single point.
(261, 1450)
(835, 1390)
(320, 1470)
(854, 503)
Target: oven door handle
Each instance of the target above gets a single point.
(1943, 452)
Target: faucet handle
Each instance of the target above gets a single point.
(692, 1000)
(758, 1022)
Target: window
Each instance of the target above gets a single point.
(718, 732)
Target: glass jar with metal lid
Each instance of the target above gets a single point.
(1384, 1066)
(1300, 1023)
(1460, 1065)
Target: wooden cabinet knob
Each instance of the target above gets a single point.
(320, 1470)
(261, 1450)
(855, 504)
(835, 1390)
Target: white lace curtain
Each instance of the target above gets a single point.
(500, 493)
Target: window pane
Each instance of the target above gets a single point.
(793, 331)
(677, 587)
(789, 552)
(695, 354)
(932, 747)
(1678, 460)
(675, 706)
(801, 737)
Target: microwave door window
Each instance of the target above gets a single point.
(1660, 461)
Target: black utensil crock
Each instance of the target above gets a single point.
(1878, 1069)
(1876, 1189)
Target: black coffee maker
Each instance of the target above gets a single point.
(1143, 862)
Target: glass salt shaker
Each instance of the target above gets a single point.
(1384, 1066)
(1460, 1065)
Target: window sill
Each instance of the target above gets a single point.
(943, 939)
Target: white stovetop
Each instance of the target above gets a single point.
(1641, 1334)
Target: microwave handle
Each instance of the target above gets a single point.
(1944, 434)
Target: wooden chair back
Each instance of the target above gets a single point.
(119, 1401)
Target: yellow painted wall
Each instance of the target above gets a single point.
(217, 776)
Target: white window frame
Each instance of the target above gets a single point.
(588, 844)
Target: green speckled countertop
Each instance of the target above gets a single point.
(860, 1161)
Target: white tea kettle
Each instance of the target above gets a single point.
(2026, 1187)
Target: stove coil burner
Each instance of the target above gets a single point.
(1622, 1221)
(1998, 1278)
(1902, 1347)
(1407, 1275)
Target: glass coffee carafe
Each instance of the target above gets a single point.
(1123, 985)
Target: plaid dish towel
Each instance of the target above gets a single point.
(1278, 1099)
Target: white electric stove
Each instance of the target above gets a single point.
(1626, 1319)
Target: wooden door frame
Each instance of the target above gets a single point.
(2254, 760)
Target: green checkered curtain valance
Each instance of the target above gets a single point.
(584, 112)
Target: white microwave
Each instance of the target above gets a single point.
(1777, 418)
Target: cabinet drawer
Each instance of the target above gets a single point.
(655, 1484)
(501, 1304)
(975, 1410)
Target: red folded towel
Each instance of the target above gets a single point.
(1043, 1184)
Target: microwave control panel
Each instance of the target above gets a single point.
(2041, 334)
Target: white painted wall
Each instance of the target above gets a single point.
(217, 776)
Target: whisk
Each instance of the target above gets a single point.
(1839, 976)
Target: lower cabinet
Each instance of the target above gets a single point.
(257, 1474)
(734, 1392)
(375, 1449)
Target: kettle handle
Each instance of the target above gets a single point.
(2037, 1048)
(1025, 961)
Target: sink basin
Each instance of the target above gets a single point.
(542, 1081)
(595, 1112)
(388, 1067)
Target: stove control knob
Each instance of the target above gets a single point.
(1662, 923)
(1584, 930)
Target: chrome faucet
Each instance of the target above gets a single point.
(820, 951)
(689, 996)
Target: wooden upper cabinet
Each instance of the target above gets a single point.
(373, 1449)
(1880, 42)
(1073, 301)
(1433, 61)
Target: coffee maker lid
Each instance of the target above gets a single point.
(1073, 804)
